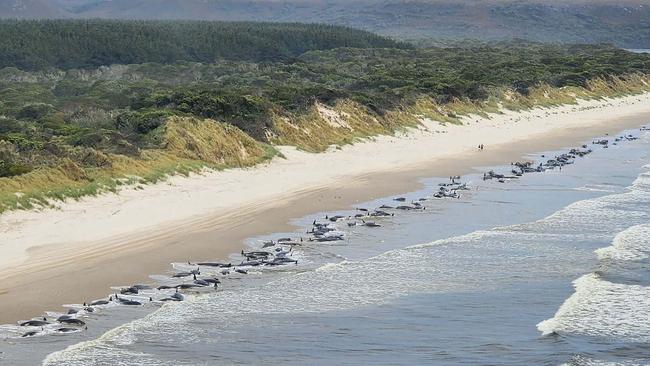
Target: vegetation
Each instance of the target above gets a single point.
(621, 22)
(73, 132)
(37, 44)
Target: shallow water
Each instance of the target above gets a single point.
(549, 269)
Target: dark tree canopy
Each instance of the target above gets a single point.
(67, 44)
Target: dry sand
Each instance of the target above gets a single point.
(75, 252)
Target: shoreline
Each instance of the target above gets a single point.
(208, 217)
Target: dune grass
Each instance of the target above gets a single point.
(346, 121)
(192, 145)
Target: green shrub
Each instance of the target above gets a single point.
(35, 111)
(141, 122)
(11, 169)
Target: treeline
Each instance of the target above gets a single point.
(68, 44)
(384, 78)
(380, 79)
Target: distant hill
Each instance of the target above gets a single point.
(66, 44)
(32, 9)
(622, 22)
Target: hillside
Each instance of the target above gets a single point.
(23, 9)
(69, 44)
(625, 23)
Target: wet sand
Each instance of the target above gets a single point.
(56, 274)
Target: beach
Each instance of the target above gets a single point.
(547, 268)
(76, 251)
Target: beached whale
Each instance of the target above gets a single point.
(129, 302)
(201, 282)
(182, 274)
(214, 264)
(34, 323)
(406, 208)
(72, 321)
(444, 193)
(281, 260)
(165, 287)
(213, 281)
(256, 254)
(66, 330)
(336, 218)
(177, 296)
(329, 238)
(380, 213)
(253, 263)
(321, 230)
(371, 224)
(130, 291)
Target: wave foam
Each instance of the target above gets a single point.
(631, 244)
(604, 310)
(586, 361)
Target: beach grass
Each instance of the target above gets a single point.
(212, 146)
(191, 145)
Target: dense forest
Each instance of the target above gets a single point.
(38, 44)
(119, 120)
(620, 22)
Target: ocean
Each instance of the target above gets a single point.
(552, 268)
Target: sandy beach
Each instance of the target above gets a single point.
(74, 252)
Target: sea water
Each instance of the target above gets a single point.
(549, 269)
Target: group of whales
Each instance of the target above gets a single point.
(329, 232)
(568, 158)
(273, 253)
(282, 252)
(141, 294)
